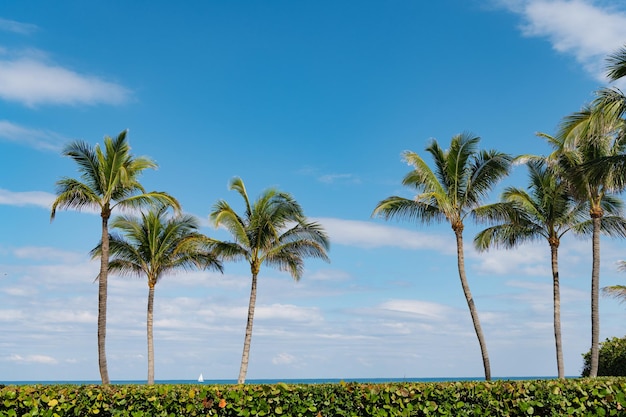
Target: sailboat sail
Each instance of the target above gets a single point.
(200, 378)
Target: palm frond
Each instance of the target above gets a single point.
(485, 171)
(72, 193)
(506, 236)
(238, 185)
(404, 209)
(615, 291)
(616, 64)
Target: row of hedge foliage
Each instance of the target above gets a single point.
(575, 397)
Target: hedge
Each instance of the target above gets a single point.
(572, 397)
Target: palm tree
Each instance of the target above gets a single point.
(586, 148)
(273, 230)
(547, 211)
(109, 180)
(462, 178)
(155, 245)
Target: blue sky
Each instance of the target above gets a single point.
(318, 99)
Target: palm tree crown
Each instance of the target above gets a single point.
(274, 231)
(109, 179)
(462, 178)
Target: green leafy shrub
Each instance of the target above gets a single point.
(584, 397)
(611, 358)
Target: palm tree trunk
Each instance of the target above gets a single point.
(102, 298)
(556, 291)
(470, 302)
(246, 344)
(595, 289)
(149, 322)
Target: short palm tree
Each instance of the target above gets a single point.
(546, 211)
(109, 180)
(586, 148)
(155, 245)
(272, 230)
(462, 177)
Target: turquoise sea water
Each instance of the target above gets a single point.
(287, 381)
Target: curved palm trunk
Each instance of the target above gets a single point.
(102, 298)
(246, 343)
(470, 302)
(554, 249)
(595, 289)
(149, 321)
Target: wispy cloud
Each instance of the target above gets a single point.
(33, 81)
(42, 359)
(17, 27)
(587, 30)
(26, 198)
(34, 138)
(39, 253)
(373, 235)
(425, 309)
(283, 359)
(339, 178)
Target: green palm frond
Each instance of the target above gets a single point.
(485, 171)
(223, 215)
(615, 291)
(614, 226)
(404, 209)
(507, 236)
(231, 251)
(616, 64)
(72, 193)
(238, 185)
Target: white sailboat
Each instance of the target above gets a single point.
(200, 378)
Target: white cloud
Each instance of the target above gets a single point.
(40, 253)
(528, 259)
(11, 315)
(42, 359)
(283, 359)
(17, 27)
(343, 178)
(32, 81)
(288, 312)
(34, 138)
(26, 198)
(580, 28)
(425, 309)
(372, 235)
(328, 275)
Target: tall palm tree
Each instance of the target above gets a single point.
(546, 211)
(586, 147)
(462, 178)
(109, 180)
(273, 230)
(155, 245)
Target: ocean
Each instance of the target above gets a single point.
(286, 381)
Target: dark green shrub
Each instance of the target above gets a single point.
(584, 397)
(611, 358)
